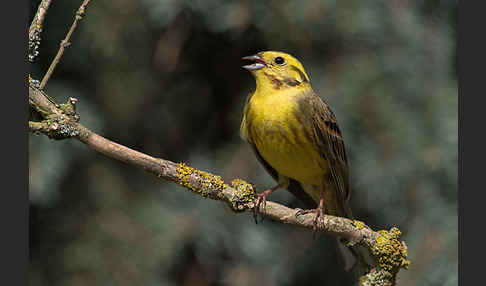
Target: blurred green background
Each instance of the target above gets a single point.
(164, 77)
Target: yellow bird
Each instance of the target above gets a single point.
(295, 135)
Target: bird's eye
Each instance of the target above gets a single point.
(279, 60)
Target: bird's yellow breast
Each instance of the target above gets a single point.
(281, 137)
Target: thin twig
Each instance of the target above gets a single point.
(36, 29)
(39, 17)
(64, 43)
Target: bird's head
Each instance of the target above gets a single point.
(277, 69)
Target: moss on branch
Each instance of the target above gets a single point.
(59, 125)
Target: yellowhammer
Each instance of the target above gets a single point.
(295, 135)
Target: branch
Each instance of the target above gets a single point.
(390, 253)
(36, 28)
(64, 43)
(39, 16)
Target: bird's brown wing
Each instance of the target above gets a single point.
(329, 140)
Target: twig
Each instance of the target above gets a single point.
(389, 252)
(36, 29)
(39, 16)
(64, 43)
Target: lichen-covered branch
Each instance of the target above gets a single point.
(36, 29)
(389, 252)
(39, 16)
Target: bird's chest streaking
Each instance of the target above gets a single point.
(278, 132)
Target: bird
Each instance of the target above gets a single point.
(295, 136)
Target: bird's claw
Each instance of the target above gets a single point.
(318, 213)
(261, 200)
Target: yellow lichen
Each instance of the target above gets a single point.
(212, 186)
(391, 252)
(244, 194)
(376, 277)
(358, 224)
(245, 190)
(200, 182)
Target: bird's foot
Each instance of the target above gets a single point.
(318, 213)
(261, 201)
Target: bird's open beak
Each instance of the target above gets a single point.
(258, 63)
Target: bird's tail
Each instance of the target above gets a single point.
(347, 256)
(357, 258)
(353, 257)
